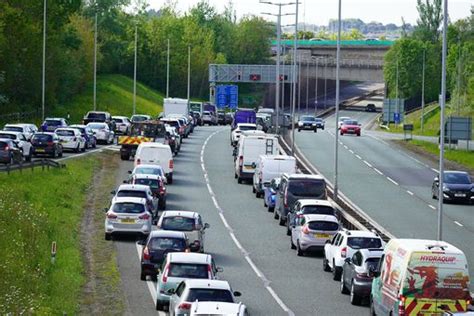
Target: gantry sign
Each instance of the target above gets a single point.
(249, 73)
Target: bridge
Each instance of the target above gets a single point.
(360, 60)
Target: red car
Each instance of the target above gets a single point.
(350, 127)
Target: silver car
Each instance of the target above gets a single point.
(127, 215)
(20, 140)
(310, 232)
(190, 291)
(122, 124)
(102, 132)
(138, 191)
(188, 222)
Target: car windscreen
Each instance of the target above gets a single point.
(132, 193)
(247, 128)
(364, 242)
(318, 209)
(42, 138)
(456, 178)
(163, 243)
(152, 183)
(188, 270)
(139, 118)
(323, 225)
(149, 170)
(64, 133)
(8, 136)
(173, 123)
(210, 295)
(96, 125)
(13, 129)
(117, 120)
(372, 263)
(81, 129)
(307, 188)
(96, 116)
(307, 118)
(349, 122)
(53, 122)
(178, 223)
(127, 207)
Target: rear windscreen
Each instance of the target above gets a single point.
(13, 129)
(132, 193)
(133, 208)
(307, 188)
(53, 122)
(210, 295)
(152, 183)
(42, 138)
(315, 209)
(364, 242)
(247, 128)
(178, 223)
(163, 243)
(64, 133)
(3, 145)
(9, 136)
(323, 225)
(96, 116)
(188, 271)
(118, 120)
(147, 170)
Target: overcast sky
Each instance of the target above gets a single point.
(320, 11)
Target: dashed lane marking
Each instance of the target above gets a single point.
(358, 157)
(367, 163)
(409, 192)
(351, 151)
(458, 223)
(431, 206)
(391, 180)
(378, 171)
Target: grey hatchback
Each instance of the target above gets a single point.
(9, 152)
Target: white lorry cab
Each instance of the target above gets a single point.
(150, 153)
(175, 106)
(248, 151)
(269, 167)
(420, 277)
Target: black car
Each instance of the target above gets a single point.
(229, 118)
(46, 144)
(158, 244)
(221, 117)
(9, 152)
(307, 122)
(370, 108)
(357, 274)
(457, 187)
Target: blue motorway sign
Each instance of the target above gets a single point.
(396, 118)
(227, 96)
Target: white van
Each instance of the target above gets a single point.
(250, 148)
(269, 167)
(420, 277)
(156, 154)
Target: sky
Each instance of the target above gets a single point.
(321, 11)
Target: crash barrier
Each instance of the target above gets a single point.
(43, 163)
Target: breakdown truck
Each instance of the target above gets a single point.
(140, 132)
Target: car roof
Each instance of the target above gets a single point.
(168, 233)
(148, 166)
(320, 217)
(205, 283)
(66, 128)
(306, 202)
(133, 187)
(118, 116)
(246, 125)
(55, 118)
(11, 132)
(277, 157)
(295, 176)
(371, 253)
(78, 126)
(45, 133)
(16, 125)
(423, 245)
(456, 171)
(190, 214)
(128, 199)
(360, 233)
(188, 257)
(6, 140)
(216, 308)
(153, 145)
(147, 176)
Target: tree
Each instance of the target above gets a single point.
(429, 21)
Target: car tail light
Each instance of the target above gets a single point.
(6, 148)
(344, 252)
(171, 164)
(144, 216)
(184, 306)
(165, 273)
(401, 305)
(111, 215)
(305, 230)
(139, 161)
(146, 254)
(362, 275)
(285, 198)
(162, 190)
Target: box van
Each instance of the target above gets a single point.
(420, 277)
(269, 167)
(156, 154)
(250, 148)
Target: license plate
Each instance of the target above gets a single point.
(128, 221)
(321, 235)
(248, 167)
(460, 195)
(40, 150)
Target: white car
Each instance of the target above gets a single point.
(140, 118)
(20, 140)
(199, 290)
(102, 132)
(128, 215)
(139, 191)
(341, 121)
(27, 129)
(122, 124)
(235, 134)
(218, 308)
(71, 138)
(344, 244)
(156, 154)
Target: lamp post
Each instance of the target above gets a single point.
(168, 70)
(423, 93)
(336, 139)
(295, 43)
(135, 72)
(189, 74)
(43, 74)
(95, 61)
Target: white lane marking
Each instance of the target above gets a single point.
(458, 223)
(435, 170)
(391, 180)
(434, 208)
(345, 146)
(378, 171)
(257, 271)
(151, 286)
(409, 192)
(358, 157)
(367, 163)
(351, 151)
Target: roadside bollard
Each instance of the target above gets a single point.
(53, 252)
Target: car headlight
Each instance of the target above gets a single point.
(445, 188)
(300, 123)
(314, 124)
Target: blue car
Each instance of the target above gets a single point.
(51, 124)
(88, 134)
(269, 194)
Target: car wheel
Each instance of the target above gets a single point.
(342, 133)
(343, 288)
(235, 176)
(253, 189)
(322, 128)
(355, 298)
(292, 245)
(170, 178)
(326, 266)
(258, 194)
(142, 276)
(271, 209)
(264, 202)
(54, 154)
(275, 214)
(299, 130)
(83, 148)
(159, 306)
(125, 156)
(239, 180)
(358, 134)
(336, 272)
(281, 222)
(372, 309)
(95, 144)
(315, 130)
(108, 236)
(288, 230)
(77, 148)
(30, 155)
(299, 251)
(60, 153)
(433, 194)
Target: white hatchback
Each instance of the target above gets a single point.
(128, 215)
(71, 138)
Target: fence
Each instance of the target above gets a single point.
(19, 117)
(43, 163)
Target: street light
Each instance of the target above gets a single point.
(135, 72)
(295, 43)
(168, 70)
(95, 61)
(336, 139)
(43, 83)
(423, 92)
(316, 85)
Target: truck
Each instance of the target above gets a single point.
(195, 106)
(244, 116)
(176, 106)
(210, 107)
(141, 132)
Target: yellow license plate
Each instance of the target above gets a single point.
(39, 150)
(128, 221)
(321, 235)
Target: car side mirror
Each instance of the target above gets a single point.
(125, 181)
(129, 171)
(374, 273)
(113, 192)
(254, 165)
(171, 291)
(219, 269)
(206, 225)
(237, 294)
(348, 260)
(234, 153)
(328, 241)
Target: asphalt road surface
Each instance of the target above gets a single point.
(389, 184)
(243, 238)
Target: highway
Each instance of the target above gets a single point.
(244, 239)
(389, 184)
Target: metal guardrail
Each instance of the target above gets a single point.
(43, 163)
(19, 116)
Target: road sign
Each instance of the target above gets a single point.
(221, 96)
(396, 118)
(227, 96)
(233, 93)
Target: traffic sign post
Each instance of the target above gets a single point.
(227, 96)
